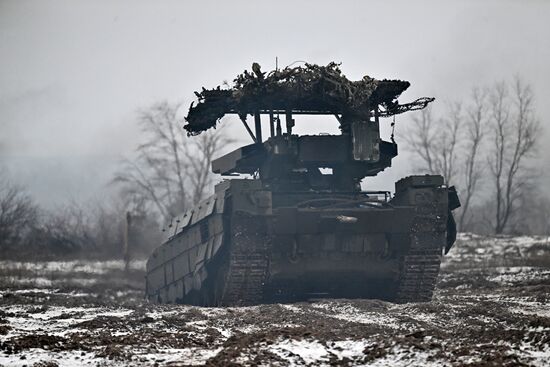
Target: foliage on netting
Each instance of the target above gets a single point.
(307, 88)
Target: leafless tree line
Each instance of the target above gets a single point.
(17, 212)
(486, 148)
(25, 228)
(92, 229)
(169, 173)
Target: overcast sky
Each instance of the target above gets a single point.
(73, 73)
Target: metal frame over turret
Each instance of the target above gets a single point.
(312, 90)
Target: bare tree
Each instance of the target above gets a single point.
(17, 213)
(472, 166)
(448, 143)
(514, 135)
(436, 142)
(420, 139)
(171, 170)
(500, 125)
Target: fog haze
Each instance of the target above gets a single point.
(74, 73)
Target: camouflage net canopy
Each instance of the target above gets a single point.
(303, 89)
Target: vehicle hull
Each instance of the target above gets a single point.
(248, 245)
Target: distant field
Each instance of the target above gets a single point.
(491, 308)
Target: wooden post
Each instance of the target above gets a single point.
(126, 253)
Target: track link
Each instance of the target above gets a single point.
(248, 262)
(419, 267)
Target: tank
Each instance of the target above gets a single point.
(291, 221)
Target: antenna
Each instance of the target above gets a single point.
(295, 62)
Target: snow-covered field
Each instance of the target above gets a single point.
(491, 308)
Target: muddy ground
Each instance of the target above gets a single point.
(491, 308)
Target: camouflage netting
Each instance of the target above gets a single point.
(308, 88)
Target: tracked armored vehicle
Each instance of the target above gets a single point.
(292, 222)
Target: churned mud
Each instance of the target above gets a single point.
(491, 308)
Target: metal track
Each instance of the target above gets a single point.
(248, 262)
(241, 280)
(419, 268)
